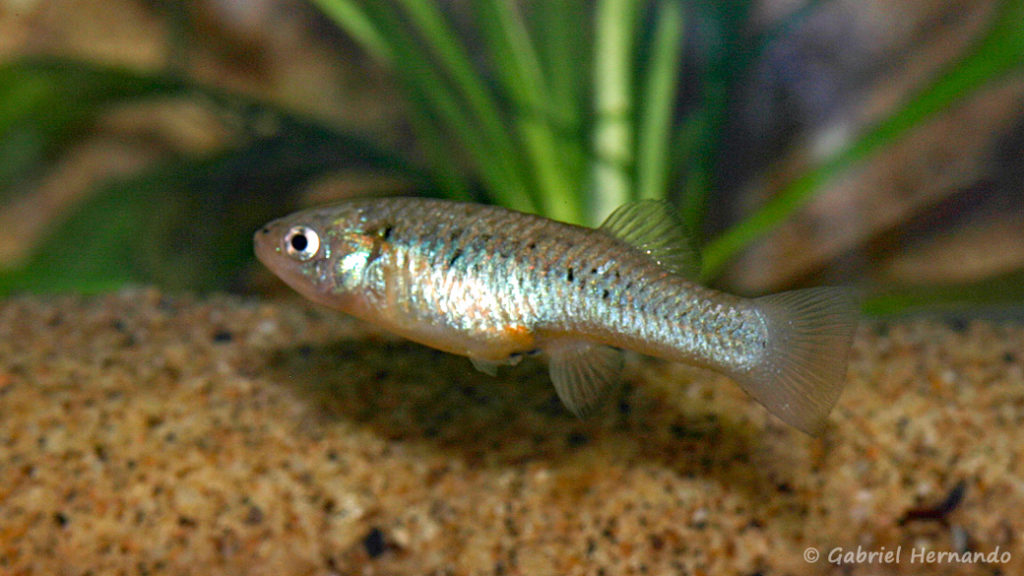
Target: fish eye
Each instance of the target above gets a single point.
(301, 243)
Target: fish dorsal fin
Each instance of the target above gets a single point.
(582, 372)
(649, 226)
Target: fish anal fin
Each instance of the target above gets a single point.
(651, 227)
(582, 372)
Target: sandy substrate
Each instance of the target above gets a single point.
(142, 433)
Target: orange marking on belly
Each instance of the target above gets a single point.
(518, 337)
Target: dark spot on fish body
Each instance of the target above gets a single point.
(386, 233)
(375, 251)
(569, 275)
(455, 256)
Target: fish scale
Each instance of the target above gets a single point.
(493, 284)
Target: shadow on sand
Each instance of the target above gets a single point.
(410, 393)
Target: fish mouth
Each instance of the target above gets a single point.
(266, 244)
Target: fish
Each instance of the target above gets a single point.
(496, 285)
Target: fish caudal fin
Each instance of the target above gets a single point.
(803, 369)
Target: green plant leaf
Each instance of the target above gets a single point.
(449, 97)
(724, 60)
(613, 136)
(351, 17)
(1002, 294)
(499, 159)
(516, 65)
(658, 101)
(564, 35)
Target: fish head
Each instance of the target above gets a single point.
(325, 254)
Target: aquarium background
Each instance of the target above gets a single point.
(803, 143)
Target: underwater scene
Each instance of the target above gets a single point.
(425, 287)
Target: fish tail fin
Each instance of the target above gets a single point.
(802, 372)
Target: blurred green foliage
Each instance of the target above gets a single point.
(568, 109)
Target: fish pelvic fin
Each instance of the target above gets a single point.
(488, 367)
(803, 370)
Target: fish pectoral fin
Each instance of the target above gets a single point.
(489, 367)
(582, 372)
(651, 227)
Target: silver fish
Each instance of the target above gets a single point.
(493, 284)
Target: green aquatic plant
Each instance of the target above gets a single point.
(566, 109)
